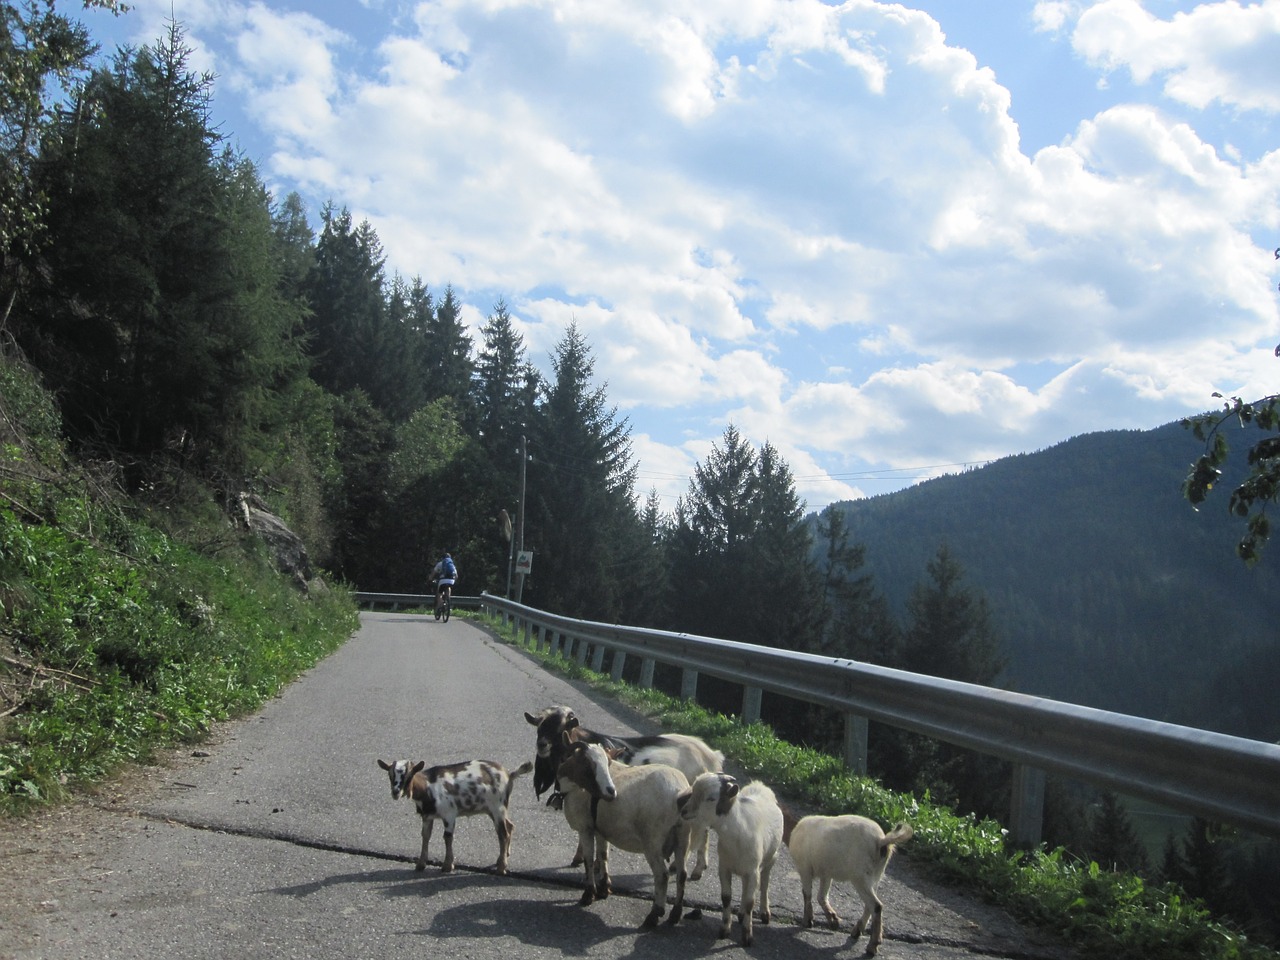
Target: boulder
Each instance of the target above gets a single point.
(288, 552)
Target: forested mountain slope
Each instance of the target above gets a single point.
(1105, 586)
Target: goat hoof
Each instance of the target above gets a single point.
(674, 918)
(446, 868)
(766, 917)
(694, 914)
(588, 897)
(419, 867)
(651, 921)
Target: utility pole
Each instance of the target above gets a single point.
(524, 459)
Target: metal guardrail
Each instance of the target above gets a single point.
(1221, 778)
(410, 601)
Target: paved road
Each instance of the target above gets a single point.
(283, 840)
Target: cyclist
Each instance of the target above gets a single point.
(444, 573)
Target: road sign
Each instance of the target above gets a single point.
(524, 562)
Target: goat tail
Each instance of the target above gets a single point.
(899, 834)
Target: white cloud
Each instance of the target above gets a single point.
(1218, 52)
(750, 207)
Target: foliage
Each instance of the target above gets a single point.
(125, 638)
(580, 477)
(1115, 913)
(42, 53)
(1250, 498)
(739, 551)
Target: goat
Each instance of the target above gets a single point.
(687, 754)
(749, 824)
(457, 790)
(845, 848)
(633, 808)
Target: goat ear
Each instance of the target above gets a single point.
(728, 791)
(417, 767)
(571, 721)
(531, 718)
(682, 799)
(384, 765)
(566, 739)
(615, 752)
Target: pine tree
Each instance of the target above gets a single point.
(448, 352)
(857, 621)
(949, 635)
(580, 481)
(505, 395)
(170, 326)
(740, 551)
(42, 55)
(1112, 841)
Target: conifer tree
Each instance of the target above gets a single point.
(1112, 842)
(580, 480)
(169, 328)
(448, 359)
(43, 54)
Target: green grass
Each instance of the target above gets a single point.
(133, 641)
(1116, 914)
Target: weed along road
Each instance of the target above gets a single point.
(280, 838)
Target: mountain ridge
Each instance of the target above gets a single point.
(1105, 586)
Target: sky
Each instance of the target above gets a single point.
(892, 240)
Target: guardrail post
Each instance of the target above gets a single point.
(528, 631)
(1026, 818)
(751, 697)
(646, 673)
(581, 656)
(855, 743)
(689, 685)
(597, 658)
(619, 660)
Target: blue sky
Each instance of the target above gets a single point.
(893, 240)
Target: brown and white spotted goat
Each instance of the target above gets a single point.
(455, 790)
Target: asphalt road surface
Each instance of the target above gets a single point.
(279, 838)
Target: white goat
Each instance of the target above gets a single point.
(633, 808)
(849, 848)
(690, 755)
(457, 790)
(749, 823)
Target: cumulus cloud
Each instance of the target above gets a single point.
(816, 221)
(1217, 52)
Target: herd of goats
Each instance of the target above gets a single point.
(660, 796)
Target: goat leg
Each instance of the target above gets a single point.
(421, 862)
(448, 849)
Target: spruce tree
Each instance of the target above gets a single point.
(169, 326)
(580, 480)
(1112, 842)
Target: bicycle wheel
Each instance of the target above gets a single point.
(444, 610)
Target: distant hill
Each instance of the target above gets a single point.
(1106, 587)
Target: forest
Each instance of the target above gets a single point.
(204, 339)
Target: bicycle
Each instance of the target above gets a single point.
(442, 605)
